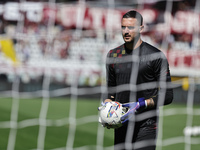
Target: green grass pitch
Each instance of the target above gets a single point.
(86, 134)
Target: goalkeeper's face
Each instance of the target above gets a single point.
(130, 29)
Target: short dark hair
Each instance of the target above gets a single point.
(134, 14)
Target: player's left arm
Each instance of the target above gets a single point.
(162, 73)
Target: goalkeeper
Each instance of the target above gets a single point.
(128, 67)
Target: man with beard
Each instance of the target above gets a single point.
(138, 77)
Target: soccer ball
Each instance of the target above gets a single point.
(111, 113)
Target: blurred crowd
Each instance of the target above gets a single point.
(35, 44)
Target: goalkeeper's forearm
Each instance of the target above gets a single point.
(147, 103)
(150, 103)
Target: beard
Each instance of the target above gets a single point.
(133, 40)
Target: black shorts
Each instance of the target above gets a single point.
(140, 136)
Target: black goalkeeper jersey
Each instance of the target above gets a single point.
(139, 73)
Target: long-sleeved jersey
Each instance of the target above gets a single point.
(139, 73)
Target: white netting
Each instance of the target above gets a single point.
(52, 50)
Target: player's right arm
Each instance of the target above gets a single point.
(109, 100)
(110, 79)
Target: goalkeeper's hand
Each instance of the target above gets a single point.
(133, 107)
(103, 104)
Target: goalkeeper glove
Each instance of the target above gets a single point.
(102, 105)
(133, 107)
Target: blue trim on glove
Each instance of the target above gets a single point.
(142, 102)
(102, 105)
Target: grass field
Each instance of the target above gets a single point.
(86, 134)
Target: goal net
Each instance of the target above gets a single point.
(52, 76)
